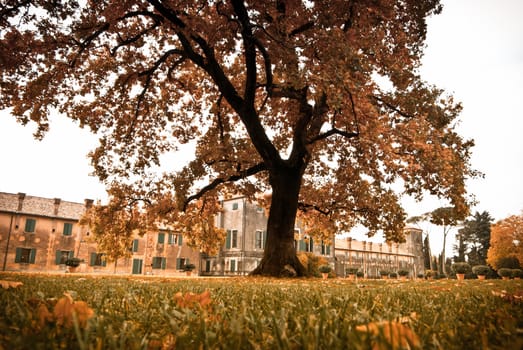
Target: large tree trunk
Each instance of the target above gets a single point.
(279, 258)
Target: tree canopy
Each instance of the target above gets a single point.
(475, 236)
(506, 240)
(319, 102)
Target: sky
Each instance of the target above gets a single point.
(474, 51)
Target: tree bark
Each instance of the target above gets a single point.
(279, 257)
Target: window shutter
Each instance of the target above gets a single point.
(164, 262)
(18, 256)
(71, 254)
(135, 245)
(92, 259)
(170, 239)
(68, 229)
(32, 256)
(180, 239)
(233, 265)
(161, 237)
(104, 260)
(228, 240)
(302, 246)
(178, 264)
(58, 258)
(30, 225)
(328, 250)
(264, 239)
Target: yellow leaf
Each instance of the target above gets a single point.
(390, 334)
(64, 309)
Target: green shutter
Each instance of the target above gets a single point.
(104, 260)
(68, 229)
(302, 245)
(58, 257)
(161, 237)
(178, 264)
(70, 254)
(164, 263)
(135, 245)
(328, 250)
(228, 240)
(180, 239)
(311, 244)
(30, 225)
(170, 239)
(92, 259)
(32, 256)
(18, 256)
(233, 265)
(322, 248)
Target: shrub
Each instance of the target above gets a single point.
(360, 274)
(384, 272)
(430, 273)
(460, 267)
(505, 272)
(325, 269)
(403, 272)
(481, 270)
(189, 267)
(516, 273)
(351, 270)
(311, 263)
(393, 275)
(73, 262)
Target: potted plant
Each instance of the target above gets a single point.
(430, 274)
(325, 270)
(460, 269)
(384, 274)
(403, 273)
(481, 271)
(73, 263)
(351, 272)
(360, 274)
(516, 274)
(505, 273)
(188, 268)
(393, 275)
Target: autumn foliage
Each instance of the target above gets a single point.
(320, 102)
(506, 240)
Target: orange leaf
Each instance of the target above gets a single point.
(390, 334)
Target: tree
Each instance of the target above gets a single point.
(476, 237)
(113, 226)
(447, 217)
(506, 239)
(319, 102)
(427, 255)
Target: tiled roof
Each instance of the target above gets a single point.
(39, 206)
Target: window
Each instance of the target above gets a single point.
(233, 265)
(325, 249)
(30, 225)
(135, 245)
(234, 206)
(171, 239)
(159, 262)
(62, 256)
(231, 241)
(68, 229)
(97, 259)
(181, 262)
(161, 237)
(259, 239)
(306, 245)
(25, 255)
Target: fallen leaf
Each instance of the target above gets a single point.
(390, 334)
(10, 284)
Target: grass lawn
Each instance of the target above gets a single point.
(117, 312)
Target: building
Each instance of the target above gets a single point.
(371, 258)
(40, 234)
(245, 224)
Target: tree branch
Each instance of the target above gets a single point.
(216, 182)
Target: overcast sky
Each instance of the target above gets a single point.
(474, 51)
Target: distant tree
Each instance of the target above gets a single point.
(447, 217)
(427, 260)
(508, 262)
(506, 240)
(460, 247)
(320, 102)
(475, 236)
(114, 226)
